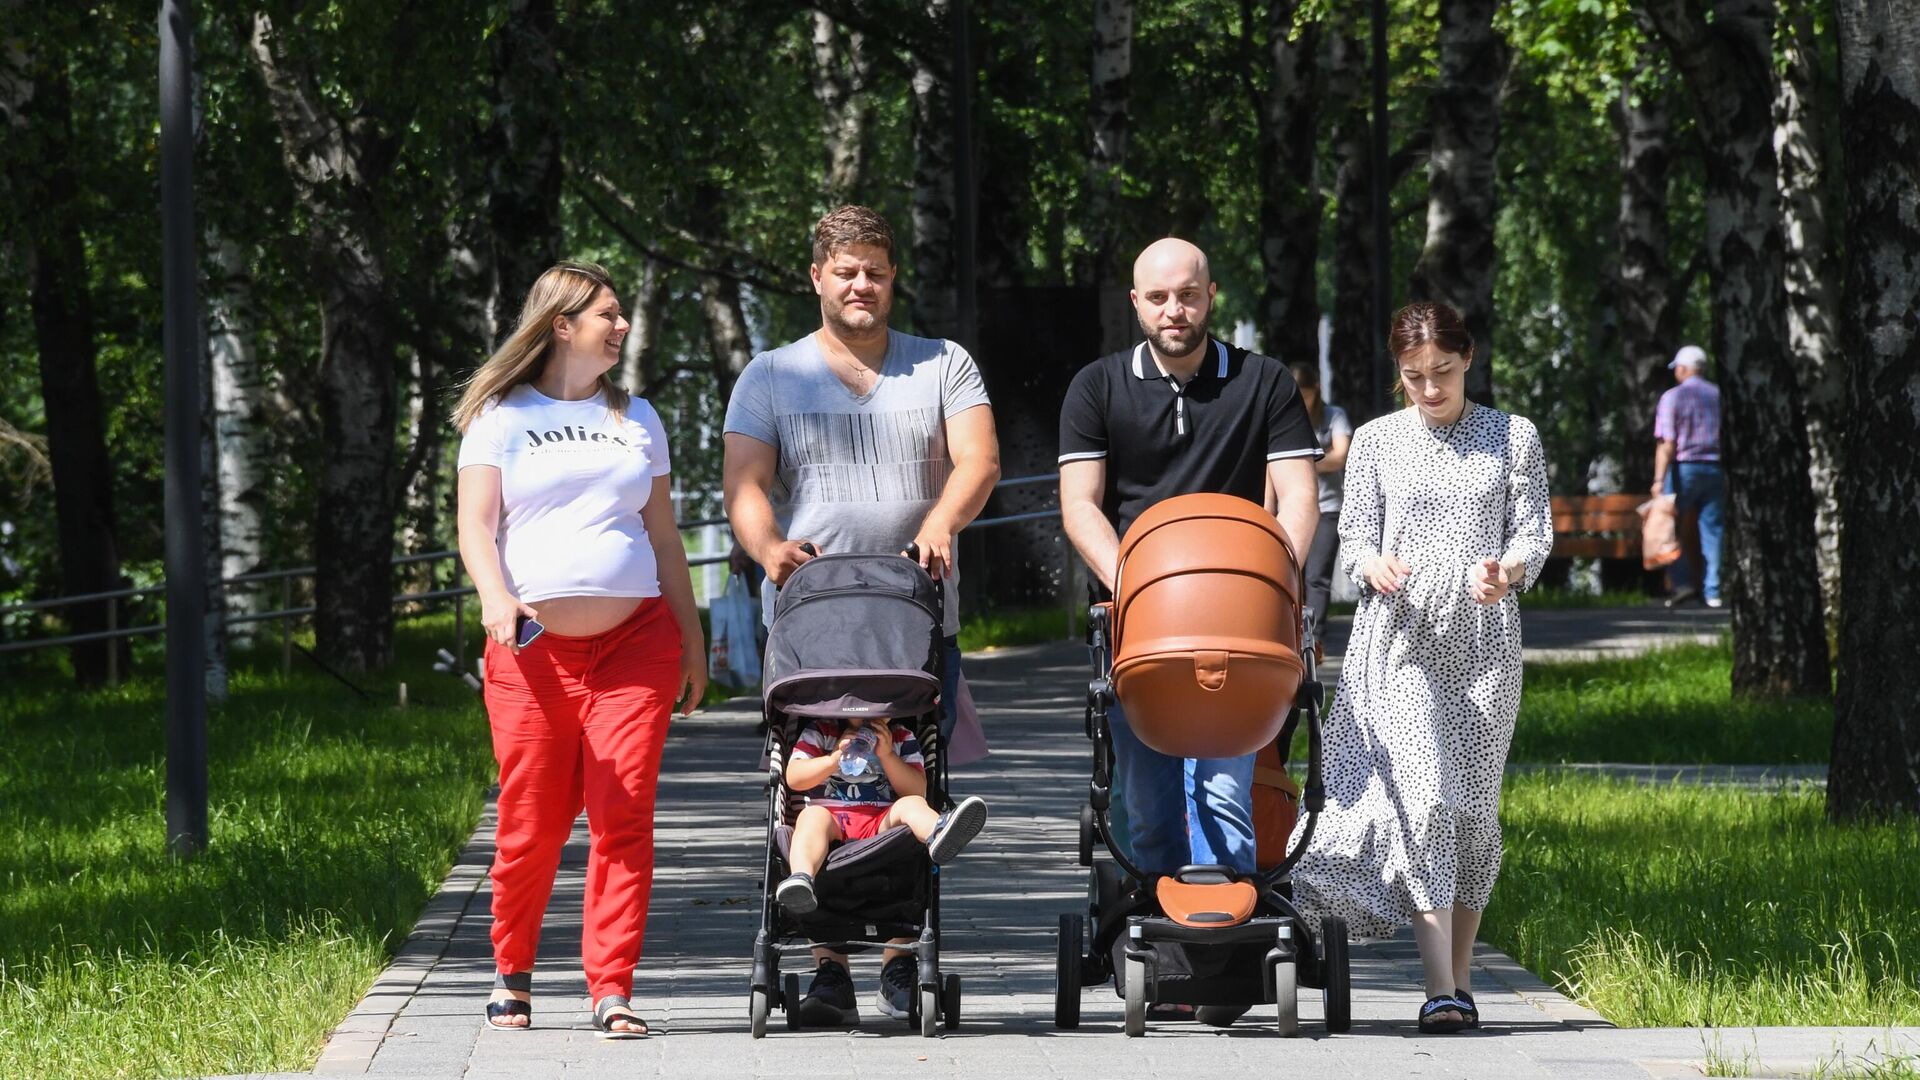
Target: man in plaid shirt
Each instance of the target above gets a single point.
(1686, 463)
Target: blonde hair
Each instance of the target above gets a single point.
(565, 289)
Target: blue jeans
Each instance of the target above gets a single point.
(1699, 487)
(1173, 812)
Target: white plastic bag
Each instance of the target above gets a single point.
(733, 654)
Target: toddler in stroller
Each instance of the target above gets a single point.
(852, 707)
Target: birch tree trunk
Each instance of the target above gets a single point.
(1812, 275)
(1289, 189)
(1779, 641)
(1109, 118)
(936, 309)
(1645, 274)
(841, 68)
(1875, 766)
(213, 619)
(1457, 264)
(238, 381)
(40, 163)
(728, 339)
(523, 147)
(640, 366)
(1350, 345)
(336, 170)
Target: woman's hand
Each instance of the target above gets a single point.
(1386, 573)
(500, 616)
(693, 678)
(1488, 581)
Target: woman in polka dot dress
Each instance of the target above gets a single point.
(1446, 517)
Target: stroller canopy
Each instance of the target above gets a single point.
(855, 635)
(1206, 627)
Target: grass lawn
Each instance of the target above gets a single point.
(1680, 905)
(1670, 706)
(992, 628)
(332, 822)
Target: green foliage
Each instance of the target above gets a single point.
(1669, 906)
(332, 822)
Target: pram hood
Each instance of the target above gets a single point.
(854, 635)
(1206, 627)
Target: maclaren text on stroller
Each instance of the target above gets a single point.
(1206, 648)
(854, 636)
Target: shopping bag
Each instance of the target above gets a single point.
(733, 653)
(969, 742)
(1659, 532)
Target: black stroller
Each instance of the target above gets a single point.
(1207, 585)
(854, 636)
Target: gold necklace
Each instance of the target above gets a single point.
(858, 370)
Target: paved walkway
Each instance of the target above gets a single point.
(1002, 902)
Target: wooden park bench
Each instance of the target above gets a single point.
(1597, 526)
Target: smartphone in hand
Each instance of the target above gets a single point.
(525, 629)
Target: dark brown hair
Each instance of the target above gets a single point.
(1429, 322)
(1422, 323)
(1306, 376)
(847, 226)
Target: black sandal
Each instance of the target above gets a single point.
(613, 1008)
(1431, 1024)
(509, 1007)
(1471, 1011)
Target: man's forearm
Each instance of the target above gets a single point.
(965, 495)
(1093, 537)
(1662, 458)
(1299, 516)
(754, 526)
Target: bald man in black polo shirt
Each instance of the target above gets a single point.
(1180, 412)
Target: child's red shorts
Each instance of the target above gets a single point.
(859, 821)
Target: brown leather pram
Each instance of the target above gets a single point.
(1207, 648)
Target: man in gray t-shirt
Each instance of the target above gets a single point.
(856, 472)
(859, 439)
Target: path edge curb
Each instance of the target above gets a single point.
(351, 1046)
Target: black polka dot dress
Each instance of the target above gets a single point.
(1417, 736)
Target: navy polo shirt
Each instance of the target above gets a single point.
(1159, 439)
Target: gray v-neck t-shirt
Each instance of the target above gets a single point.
(857, 473)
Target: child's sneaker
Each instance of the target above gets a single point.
(796, 894)
(956, 829)
(899, 978)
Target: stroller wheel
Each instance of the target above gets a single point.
(1286, 996)
(1136, 980)
(950, 1002)
(1086, 835)
(757, 1013)
(1336, 975)
(1066, 989)
(790, 1000)
(929, 1011)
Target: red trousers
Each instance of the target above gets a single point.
(580, 722)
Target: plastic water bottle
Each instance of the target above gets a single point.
(857, 763)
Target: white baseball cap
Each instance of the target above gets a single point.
(1692, 356)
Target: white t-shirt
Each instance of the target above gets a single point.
(573, 477)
